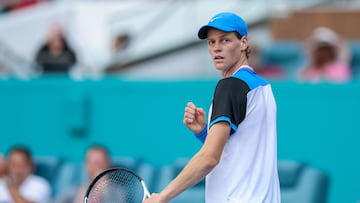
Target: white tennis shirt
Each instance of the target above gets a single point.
(34, 188)
(247, 171)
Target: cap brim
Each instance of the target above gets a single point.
(203, 32)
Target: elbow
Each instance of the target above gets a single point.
(211, 162)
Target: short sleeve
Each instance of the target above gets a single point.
(229, 102)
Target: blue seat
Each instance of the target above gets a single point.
(71, 175)
(287, 54)
(354, 47)
(49, 168)
(146, 171)
(301, 183)
(128, 162)
(195, 194)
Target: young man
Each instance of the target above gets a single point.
(239, 154)
(21, 185)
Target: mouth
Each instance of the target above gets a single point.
(218, 58)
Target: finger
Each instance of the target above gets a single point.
(189, 115)
(200, 111)
(191, 105)
(188, 120)
(189, 111)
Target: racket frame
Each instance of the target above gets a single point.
(146, 191)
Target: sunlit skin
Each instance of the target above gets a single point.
(20, 167)
(2, 166)
(96, 161)
(323, 55)
(227, 51)
(56, 39)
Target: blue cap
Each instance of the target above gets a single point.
(227, 22)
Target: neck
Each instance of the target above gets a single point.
(242, 62)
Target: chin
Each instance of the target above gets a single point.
(219, 67)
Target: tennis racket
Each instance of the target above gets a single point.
(116, 185)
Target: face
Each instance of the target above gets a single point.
(55, 38)
(19, 167)
(2, 166)
(96, 161)
(227, 51)
(56, 43)
(323, 55)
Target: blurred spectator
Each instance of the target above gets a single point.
(97, 159)
(56, 56)
(21, 185)
(3, 168)
(2, 69)
(120, 42)
(11, 5)
(256, 61)
(328, 57)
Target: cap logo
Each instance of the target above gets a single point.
(215, 18)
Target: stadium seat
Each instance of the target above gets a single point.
(145, 170)
(128, 162)
(70, 174)
(301, 183)
(287, 54)
(354, 47)
(49, 168)
(195, 194)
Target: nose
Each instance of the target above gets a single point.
(216, 48)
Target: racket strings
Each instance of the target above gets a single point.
(117, 187)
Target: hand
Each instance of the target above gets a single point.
(194, 118)
(154, 198)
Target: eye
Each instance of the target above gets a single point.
(225, 41)
(211, 42)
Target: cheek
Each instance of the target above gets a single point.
(233, 54)
(211, 52)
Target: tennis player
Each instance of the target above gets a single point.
(239, 152)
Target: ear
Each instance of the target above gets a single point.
(244, 43)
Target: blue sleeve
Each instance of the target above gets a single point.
(202, 135)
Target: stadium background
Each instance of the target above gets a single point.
(138, 112)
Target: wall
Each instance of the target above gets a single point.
(299, 24)
(57, 116)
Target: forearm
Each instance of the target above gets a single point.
(17, 197)
(198, 167)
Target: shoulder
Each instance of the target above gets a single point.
(2, 183)
(340, 65)
(232, 84)
(37, 181)
(249, 76)
(245, 78)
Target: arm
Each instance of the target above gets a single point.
(15, 194)
(40, 190)
(199, 166)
